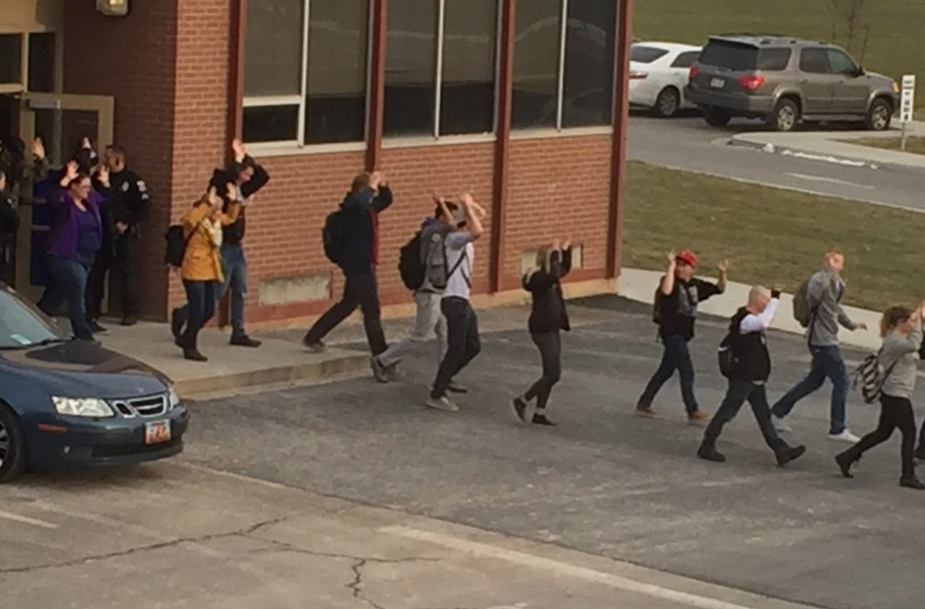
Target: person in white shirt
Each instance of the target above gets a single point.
(748, 373)
(463, 342)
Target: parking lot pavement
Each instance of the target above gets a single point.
(175, 535)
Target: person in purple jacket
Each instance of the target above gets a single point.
(75, 237)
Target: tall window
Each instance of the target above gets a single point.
(564, 69)
(440, 67)
(305, 71)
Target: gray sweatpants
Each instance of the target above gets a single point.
(429, 320)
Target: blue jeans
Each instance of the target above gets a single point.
(827, 363)
(677, 356)
(234, 268)
(68, 282)
(200, 303)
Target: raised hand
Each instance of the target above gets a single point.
(376, 179)
(240, 152)
(672, 258)
(567, 245)
(723, 266)
(231, 191)
(103, 175)
(212, 197)
(72, 170)
(38, 148)
(85, 143)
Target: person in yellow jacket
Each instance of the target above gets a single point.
(202, 266)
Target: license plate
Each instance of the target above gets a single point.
(717, 83)
(157, 432)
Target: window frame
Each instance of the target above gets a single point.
(284, 147)
(22, 84)
(13, 88)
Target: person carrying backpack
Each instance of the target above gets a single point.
(824, 292)
(748, 368)
(676, 304)
(429, 260)
(901, 329)
(354, 246)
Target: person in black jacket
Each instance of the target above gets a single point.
(9, 224)
(749, 373)
(237, 183)
(368, 197)
(547, 318)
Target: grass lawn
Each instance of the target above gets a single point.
(894, 46)
(772, 236)
(914, 145)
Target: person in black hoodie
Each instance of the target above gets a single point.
(9, 224)
(237, 183)
(547, 318)
(369, 196)
(749, 373)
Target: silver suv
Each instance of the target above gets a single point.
(785, 81)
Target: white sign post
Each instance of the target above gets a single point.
(907, 104)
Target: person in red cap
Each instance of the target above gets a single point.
(676, 303)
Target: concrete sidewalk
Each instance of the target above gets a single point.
(836, 147)
(640, 286)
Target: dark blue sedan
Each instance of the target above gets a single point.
(68, 403)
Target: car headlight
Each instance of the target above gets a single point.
(173, 400)
(83, 407)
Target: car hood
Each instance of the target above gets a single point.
(82, 369)
(887, 80)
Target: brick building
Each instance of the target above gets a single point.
(521, 102)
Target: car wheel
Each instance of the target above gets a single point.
(786, 116)
(879, 115)
(716, 117)
(12, 445)
(667, 103)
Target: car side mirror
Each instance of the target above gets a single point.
(859, 72)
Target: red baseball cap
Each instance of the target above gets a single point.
(686, 257)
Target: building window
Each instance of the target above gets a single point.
(42, 62)
(10, 59)
(564, 69)
(440, 67)
(305, 71)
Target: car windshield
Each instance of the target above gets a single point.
(644, 54)
(22, 325)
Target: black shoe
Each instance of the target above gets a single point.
(455, 387)
(540, 419)
(318, 347)
(129, 321)
(245, 341)
(176, 324)
(920, 454)
(791, 453)
(912, 482)
(194, 355)
(710, 454)
(520, 408)
(97, 328)
(845, 460)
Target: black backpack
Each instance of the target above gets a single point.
(333, 235)
(726, 355)
(412, 269)
(176, 245)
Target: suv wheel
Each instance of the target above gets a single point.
(716, 117)
(786, 116)
(879, 115)
(668, 103)
(12, 445)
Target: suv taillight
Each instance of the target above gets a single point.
(695, 70)
(751, 82)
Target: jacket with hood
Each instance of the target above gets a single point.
(361, 228)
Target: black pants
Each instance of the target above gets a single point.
(738, 392)
(96, 282)
(550, 346)
(200, 300)
(121, 261)
(463, 343)
(360, 290)
(894, 413)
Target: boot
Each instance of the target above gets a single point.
(912, 482)
(709, 453)
(789, 454)
(845, 460)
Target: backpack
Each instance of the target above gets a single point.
(871, 376)
(412, 269)
(726, 355)
(802, 312)
(177, 243)
(333, 235)
(657, 306)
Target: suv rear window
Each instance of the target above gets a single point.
(744, 57)
(643, 54)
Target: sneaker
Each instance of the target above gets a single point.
(442, 404)
(540, 419)
(245, 341)
(97, 328)
(455, 387)
(845, 460)
(194, 355)
(645, 412)
(780, 425)
(791, 453)
(709, 453)
(128, 321)
(845, 436)
(520, 408)
(318, 347)
(379, 371)
(912, 482)
(698, 417)
(176, 324)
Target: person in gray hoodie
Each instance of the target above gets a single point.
(901, 329)
(825, 290)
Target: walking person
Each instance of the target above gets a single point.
(676, 304)
(463, 342)
(750, 368)
(75, 236)
(428, 318)
(548, 318)
(901, 329)
(824, 293)
(202, 268)
(358, 257)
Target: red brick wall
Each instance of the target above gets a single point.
(133, 59)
